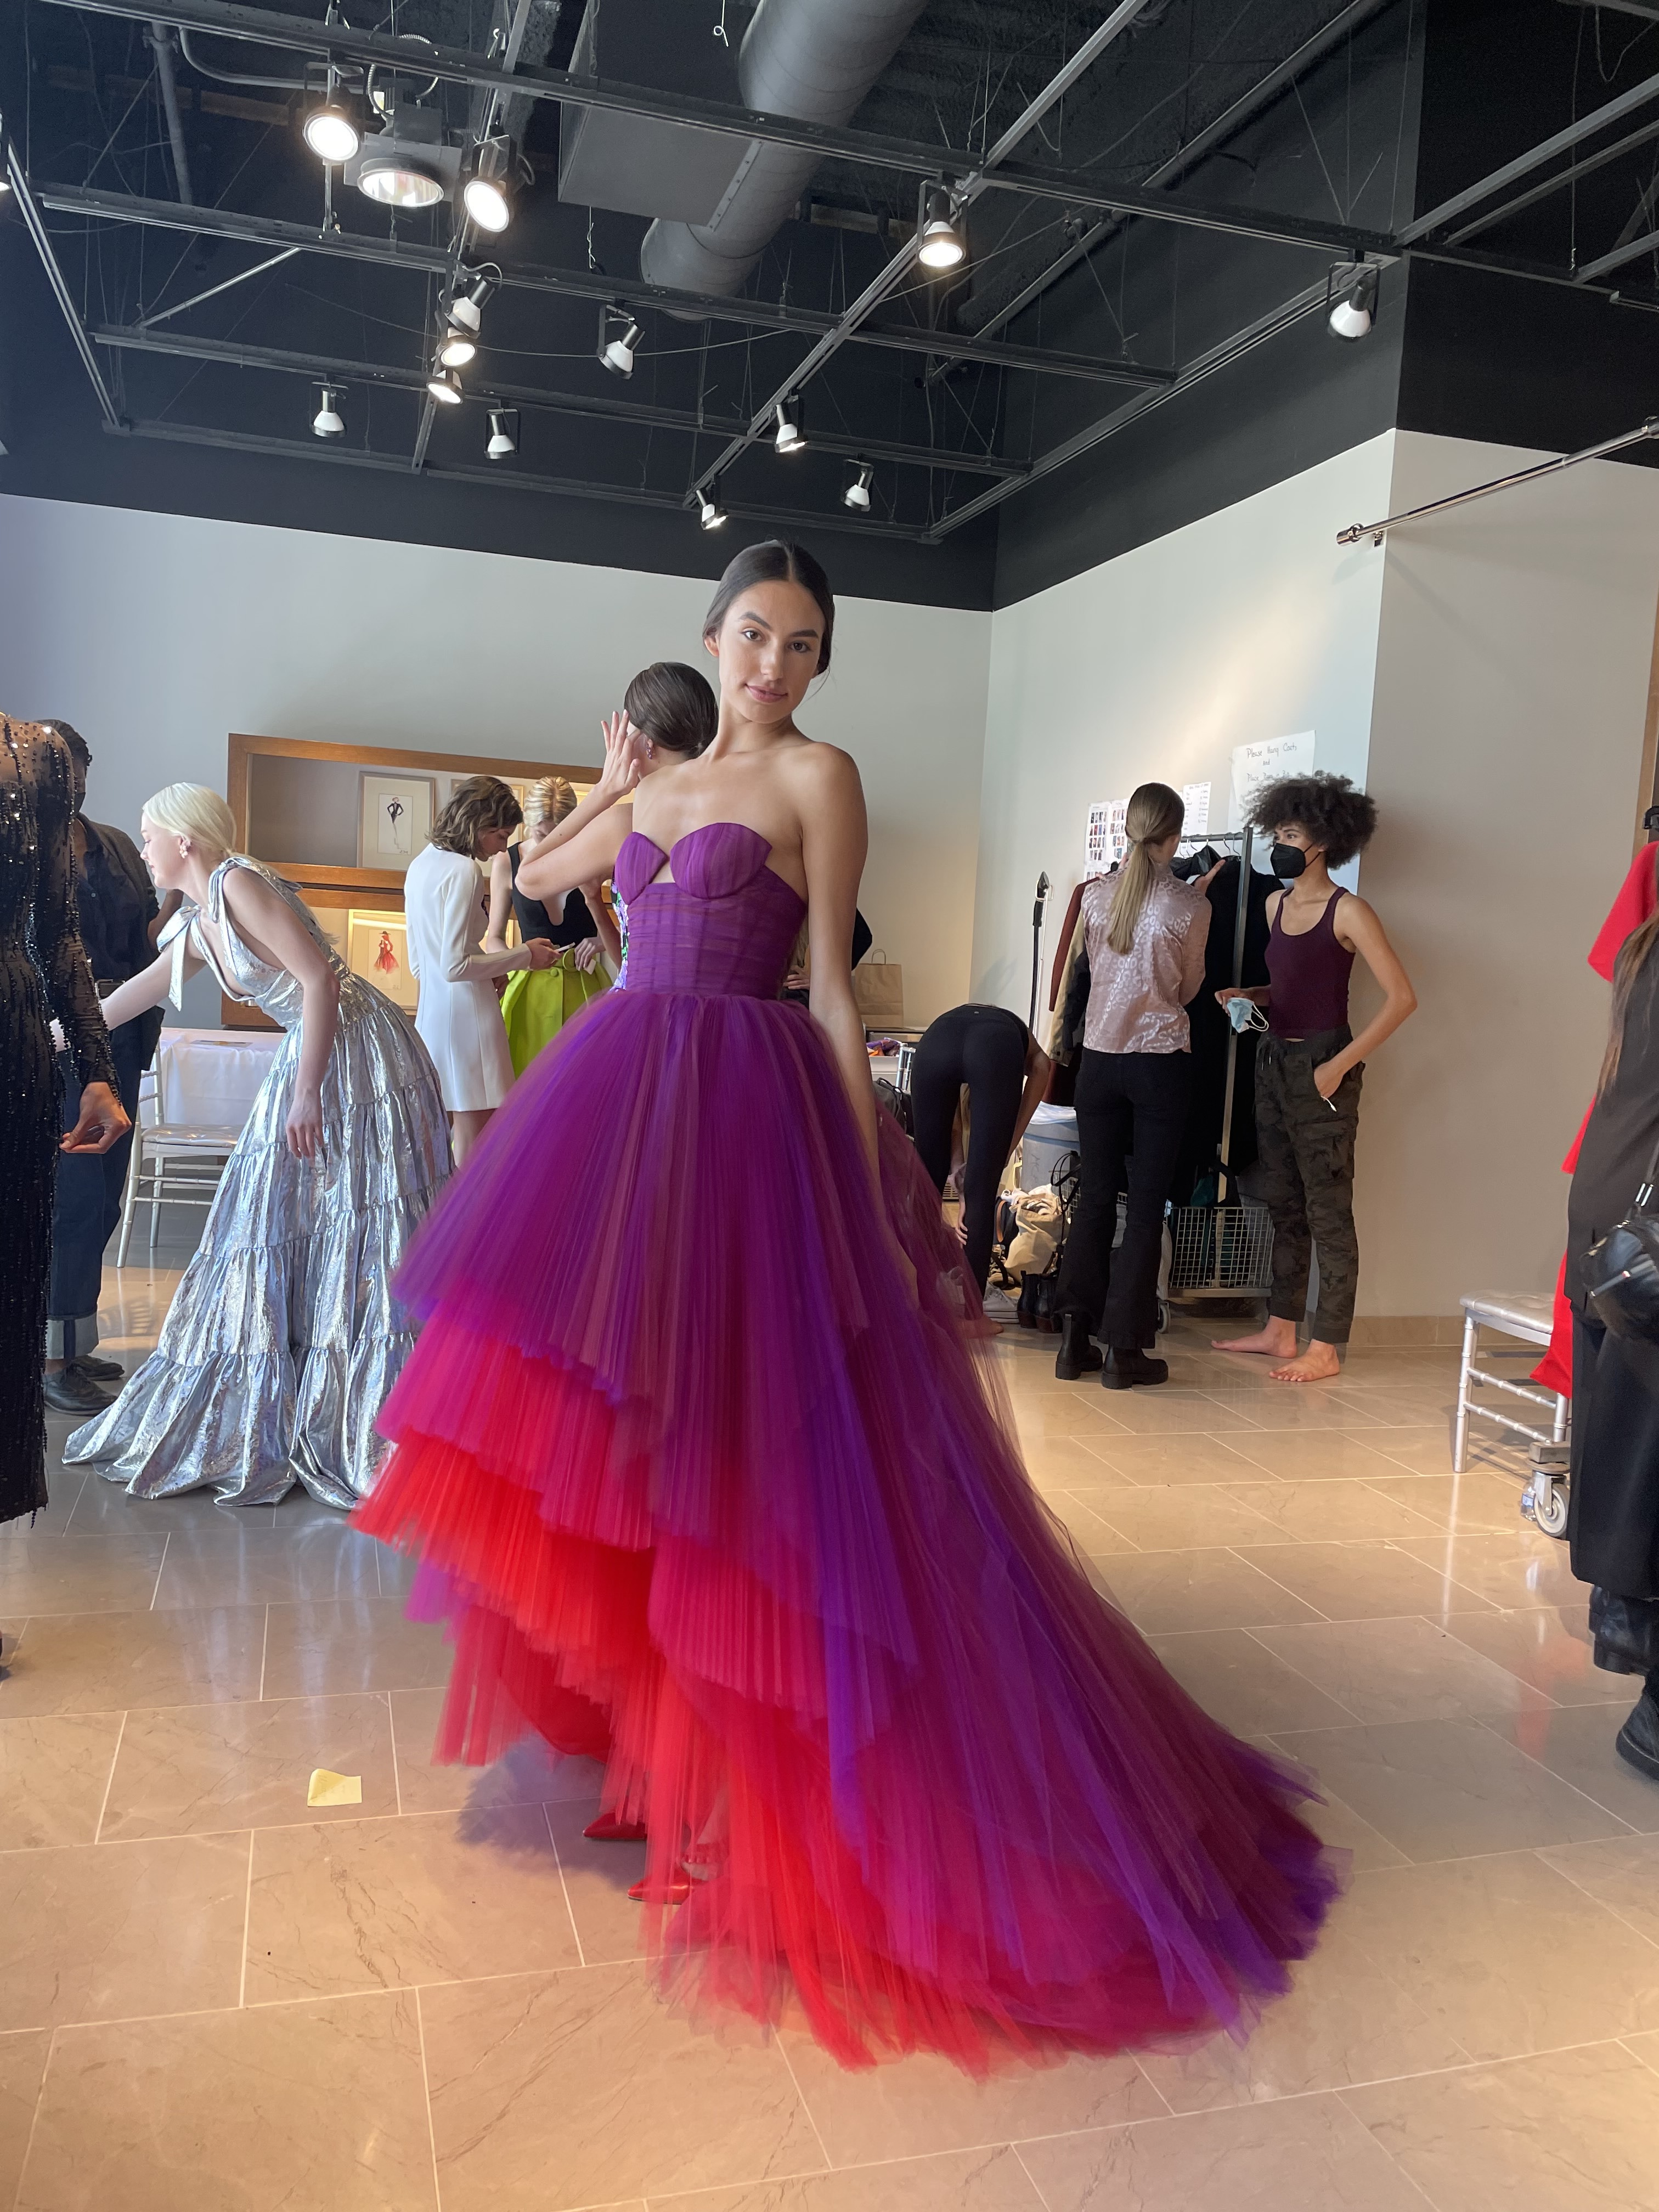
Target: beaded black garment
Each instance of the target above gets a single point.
(41, 965)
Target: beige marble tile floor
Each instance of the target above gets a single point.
(433, 2000)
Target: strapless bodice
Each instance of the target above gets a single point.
(725, 925)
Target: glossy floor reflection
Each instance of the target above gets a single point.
(211, 1991)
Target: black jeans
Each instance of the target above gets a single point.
(1131, 1117)
(984, 1048)
(86, 1207)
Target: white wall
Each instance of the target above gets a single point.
(1251, 624)
(157, 634)
(1506, 740)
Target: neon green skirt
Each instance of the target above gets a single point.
(538, 1002)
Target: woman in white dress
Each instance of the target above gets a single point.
(459, 1016)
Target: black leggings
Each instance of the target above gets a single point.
(984, 1048)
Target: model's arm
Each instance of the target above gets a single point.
(460, 960)
(500, 903)
(1357, 925)
(276, 935)
(622, 770)
(146, 989)
(163, 914)
(835, 837)
(1038, 1068)
(1192, 953)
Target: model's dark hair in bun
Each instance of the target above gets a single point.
(675, 706)
(774, 561)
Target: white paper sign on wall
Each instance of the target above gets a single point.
(1264, 762)
(1195, 796)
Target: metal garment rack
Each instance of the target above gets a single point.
(1242, 841)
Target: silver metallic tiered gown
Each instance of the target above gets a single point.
(284, 1337)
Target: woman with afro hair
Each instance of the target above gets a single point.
(1309, 1070)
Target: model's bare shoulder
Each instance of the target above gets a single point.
(824, 769)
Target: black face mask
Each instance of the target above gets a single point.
(1287, 862)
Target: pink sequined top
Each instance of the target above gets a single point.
(1138, 1000)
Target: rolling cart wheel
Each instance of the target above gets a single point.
(1550, 1511)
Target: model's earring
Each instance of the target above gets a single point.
(650, 749)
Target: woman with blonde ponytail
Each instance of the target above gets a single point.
(1144, 933)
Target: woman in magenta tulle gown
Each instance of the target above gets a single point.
(711, 1477)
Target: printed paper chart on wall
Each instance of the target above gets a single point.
(1195, 798)
(1263, 763)
(1107, 842)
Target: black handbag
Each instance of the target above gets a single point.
(1621, 1271)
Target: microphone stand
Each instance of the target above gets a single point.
(1036, 944)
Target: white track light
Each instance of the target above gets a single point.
(487, 194)
(395, 180)
(331, 134)
(502, 440)
(327, 422)
(445, 386)
(857, 493)
(1354, 310)
(942, 244)
(455, 348)
(617, 354)
(710, 512)
(790, 439)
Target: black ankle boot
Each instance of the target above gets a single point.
(1125, 1368)
(1637, 1741)
(1625, 1630)
(1078, 1354)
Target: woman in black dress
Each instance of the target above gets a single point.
(1613, 1518)
(41, 966)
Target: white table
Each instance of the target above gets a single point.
(210, 1077)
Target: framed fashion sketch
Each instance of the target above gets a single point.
(394, 817)
(377, 949)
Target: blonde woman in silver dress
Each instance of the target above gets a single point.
(284, 1336)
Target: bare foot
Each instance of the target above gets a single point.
(1318, 1364)
(1276, 1341)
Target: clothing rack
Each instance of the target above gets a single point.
(1242, 841)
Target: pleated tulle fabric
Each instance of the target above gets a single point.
(703, 1488)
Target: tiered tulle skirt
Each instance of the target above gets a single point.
(704, 1490)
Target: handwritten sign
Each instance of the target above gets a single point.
(1263, 763)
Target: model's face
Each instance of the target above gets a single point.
(768, 649)
(165, 855)
(491, 841)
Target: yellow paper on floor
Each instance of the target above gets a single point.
(328, 1788)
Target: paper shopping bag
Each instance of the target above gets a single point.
(879, 990)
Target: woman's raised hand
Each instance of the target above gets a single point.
(622, 769)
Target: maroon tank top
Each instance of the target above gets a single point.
(1309, 976)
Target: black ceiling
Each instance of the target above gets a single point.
(955, 402)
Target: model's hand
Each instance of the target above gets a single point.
(304, 1124)
(1328, 1078)
(622, 766)
(962, 1231)
(1227, 994)
(1210, 875)
(103, 1121)
(586, 955)
(540, 952)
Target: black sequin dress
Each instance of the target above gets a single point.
(42, 970)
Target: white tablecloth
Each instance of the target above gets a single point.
(209, 1078)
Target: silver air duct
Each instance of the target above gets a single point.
(812, 61)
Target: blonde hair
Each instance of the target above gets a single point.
(1154, 812)
(549, 800)
(194, 810)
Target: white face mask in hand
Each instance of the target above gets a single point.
(1245, 1014)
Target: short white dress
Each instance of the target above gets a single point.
(459, 1016)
